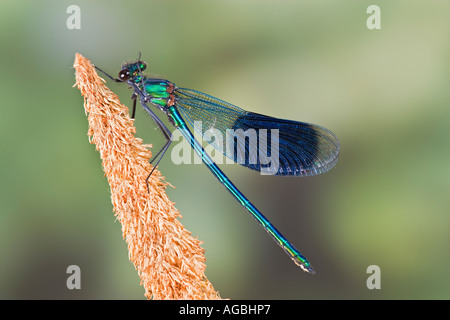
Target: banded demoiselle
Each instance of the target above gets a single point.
(300, 149)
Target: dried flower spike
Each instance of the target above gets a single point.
(169, 260)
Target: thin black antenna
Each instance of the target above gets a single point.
(114, 79)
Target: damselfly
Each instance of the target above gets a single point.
(299, 149)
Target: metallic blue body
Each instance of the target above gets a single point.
(295, 255)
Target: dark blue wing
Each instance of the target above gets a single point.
(262, 143)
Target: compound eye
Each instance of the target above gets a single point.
(142, 65)
(124, 74)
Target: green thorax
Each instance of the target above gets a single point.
(157, 90)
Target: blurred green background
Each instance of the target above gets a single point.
(383, 92)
